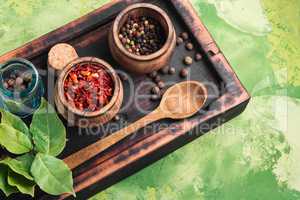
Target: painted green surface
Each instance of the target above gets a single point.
(254, 156)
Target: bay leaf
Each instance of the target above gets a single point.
(20, 165)
(52, 175)
(13, 140)
(4, 186)
(24, 185)
(49, 133)
(14, 121)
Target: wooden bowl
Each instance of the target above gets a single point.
(83, 118)
(148, 63)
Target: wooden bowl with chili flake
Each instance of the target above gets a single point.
(88, 91)
(143, 38)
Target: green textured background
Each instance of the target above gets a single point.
(254, 156)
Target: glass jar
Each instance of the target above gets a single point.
(23, 102)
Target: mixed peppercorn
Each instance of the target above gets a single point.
(18, 81)
(142, 35)
(88, 87)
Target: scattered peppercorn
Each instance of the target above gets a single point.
(179, 41)
(165, 70)
(88, 87)
(142, 35)
(185, 36)
(155, 97)
(117, 118)
(17, 80)
(161, 84)
(188, 60)
(198, 57)
(155, 90)
(184, 73)
(172, 70)
(189, 46)
(153, 74)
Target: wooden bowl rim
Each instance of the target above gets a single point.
(111, 72)
(154, 8)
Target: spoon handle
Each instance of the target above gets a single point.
(92, 150)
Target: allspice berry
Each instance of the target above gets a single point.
(155, 97)
(165, 70)
(161, 84)
(179, 41)
(172, 70)
(188, 60)
(185, 36)
(117, 118)
(189, 46)
(184, 73)
(155, 90)
(153, 74)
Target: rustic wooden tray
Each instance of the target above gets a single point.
(89, 36)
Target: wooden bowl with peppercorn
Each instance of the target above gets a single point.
(143, 38)
(88, 91)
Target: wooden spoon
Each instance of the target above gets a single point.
(180, 101)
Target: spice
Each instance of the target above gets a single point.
(165, 70)
(117, 118)
(184, 73)
(153, 74)
(155, 90)
(88, 87)
(179, 41)
(189, 46)
(172, 70)
(161, 84)
(188, 60)
(198, 57)
(155, 97)
(142, 35)
(17, 81)
(185, 36)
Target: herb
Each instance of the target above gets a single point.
(24, 185)
(52, 175)
(48, 132)
(20, 165)
(45, 139)
(13, 140)
(4, 186)
(88, 87)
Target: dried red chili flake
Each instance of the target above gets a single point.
(88, 87)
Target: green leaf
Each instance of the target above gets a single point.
(7, 189)
(14, 121)
(20, 165)
(52, 175)
(49, 133)
(13, 140)
(24, 185)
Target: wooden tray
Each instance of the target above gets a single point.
(89, 36)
